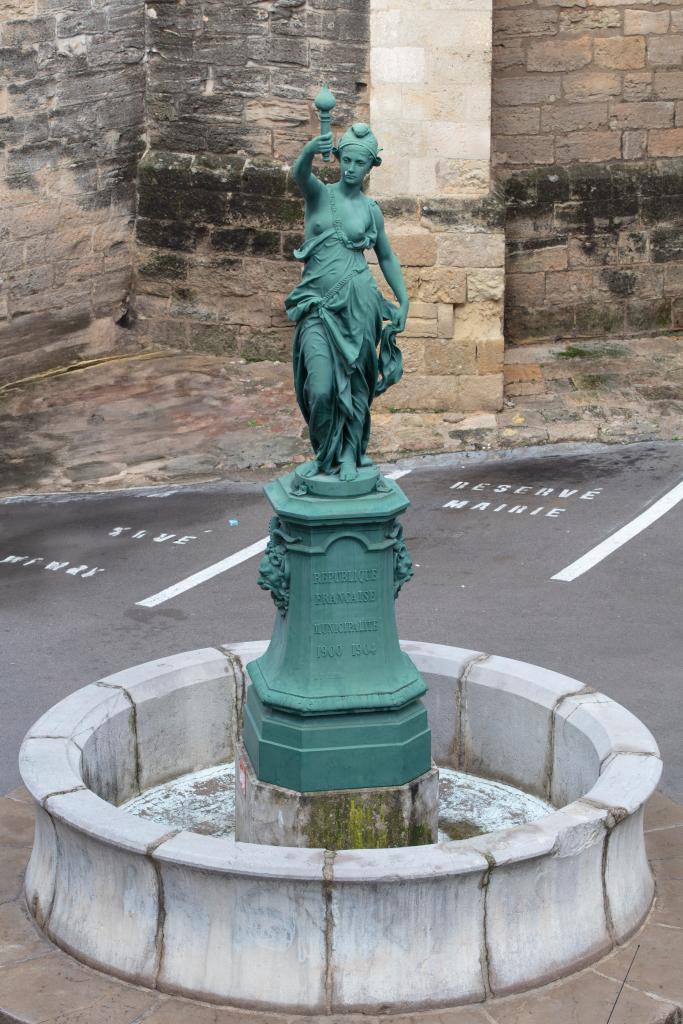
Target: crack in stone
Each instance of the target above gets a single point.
(549, 767)
(153, 847)
(134, 729)
(676, 1015)
(608, 758)
(485, 952)
(150, 1011)
(477, 659)
(328, 888)
(609, 920)
(161, 922)
(48, 736)
(159, 935)
(239, 693)
(586, 691)
(61, 792)
(550, 748)
(615, 814)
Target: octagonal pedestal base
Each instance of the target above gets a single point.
(343, 819)
(310, 753)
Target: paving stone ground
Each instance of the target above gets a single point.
(173, 417)
(39, 984)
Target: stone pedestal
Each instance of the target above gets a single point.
(345, 819)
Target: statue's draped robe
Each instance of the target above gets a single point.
(339, 312)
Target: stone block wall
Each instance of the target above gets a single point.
(215, 232)
(430, 104)
(595, 250)
(215, 236)
(232, 77)
(71, 125)
(587, 138)
(452, 252)
(229, 105)
(431, 95)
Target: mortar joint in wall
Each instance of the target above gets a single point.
(161, 923)
(134, 728)
(239, 691)
(485, 953)
(459, 744)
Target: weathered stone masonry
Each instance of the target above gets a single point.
(588, 141)
(229, 105)
(430, 102)
(216, 231)
(71, 125)
(585, 143)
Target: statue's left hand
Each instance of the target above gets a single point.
(399, 317)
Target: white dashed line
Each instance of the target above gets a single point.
(205, 574)
(623, 536)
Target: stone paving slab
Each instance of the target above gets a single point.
(57, 988)
(19, 940)
(39, 984)
(177, 417)
(587, 998)
(658, 967)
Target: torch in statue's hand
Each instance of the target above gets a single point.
(324, 104)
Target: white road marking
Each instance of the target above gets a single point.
(622, 536)
(205, 574)
(225, 564)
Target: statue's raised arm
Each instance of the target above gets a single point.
(341, 316)
(303, 165)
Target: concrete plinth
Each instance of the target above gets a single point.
(342, 819)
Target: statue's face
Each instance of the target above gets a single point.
(355, 164)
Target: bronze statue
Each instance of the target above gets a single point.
(341, 316)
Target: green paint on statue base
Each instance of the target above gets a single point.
(311, 753)
(334, 565)
(334, 701)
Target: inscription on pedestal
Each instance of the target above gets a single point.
(334, 564)
(344, 591)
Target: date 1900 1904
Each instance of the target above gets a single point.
(337, 650)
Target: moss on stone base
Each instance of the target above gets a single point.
(373, 821)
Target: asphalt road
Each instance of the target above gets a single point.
(482, 578)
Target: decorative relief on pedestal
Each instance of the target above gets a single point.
(274, 566)
(403, 563)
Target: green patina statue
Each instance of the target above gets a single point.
(334, 702)
(341, 316)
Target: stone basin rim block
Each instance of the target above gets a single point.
(309, 909)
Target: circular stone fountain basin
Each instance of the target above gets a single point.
(320, 932)
(204, 802)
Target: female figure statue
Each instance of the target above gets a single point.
(340, 315)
